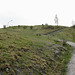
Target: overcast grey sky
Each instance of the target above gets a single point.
(34, 12)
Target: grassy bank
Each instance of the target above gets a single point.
(67, 34)
(24, 50)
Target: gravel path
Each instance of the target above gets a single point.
(71, 64)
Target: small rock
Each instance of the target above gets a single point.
(7, 69)
(56, 52)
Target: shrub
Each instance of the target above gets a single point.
(42, 25)
(73, 26)
(24, 27)
(64, 42)
(38, 34)
(4, 26)
(18, 26)
(46, 24)
(31, 27)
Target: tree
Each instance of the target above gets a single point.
(56, 19)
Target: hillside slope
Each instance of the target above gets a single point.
(67, 34)
(24, 52)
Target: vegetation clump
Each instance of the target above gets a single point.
(4, 26)
(31, 27)
(73, 26)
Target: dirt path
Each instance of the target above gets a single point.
(71, 64)
(54, 32)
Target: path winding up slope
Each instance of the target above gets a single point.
(71, 64)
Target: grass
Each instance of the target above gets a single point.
(68, 34)
(22, 51)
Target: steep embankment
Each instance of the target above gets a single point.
(23, 52)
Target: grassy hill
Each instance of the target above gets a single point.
(67, 34)
(25, 50)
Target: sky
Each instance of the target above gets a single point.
(36, 12)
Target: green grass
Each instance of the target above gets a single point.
(67, 34)
(22, 51)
